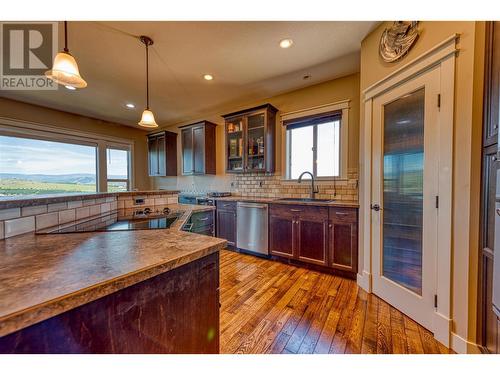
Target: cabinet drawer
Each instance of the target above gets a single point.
(202, 219)
(226, 205)
(343, 215)
(206, 230)
(302, 211)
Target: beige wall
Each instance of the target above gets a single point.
(324, 93)
(41, 115)
(467, 143)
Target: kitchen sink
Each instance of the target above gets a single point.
(305, 200)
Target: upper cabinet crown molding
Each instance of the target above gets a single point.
(250, 140)
(198, 148)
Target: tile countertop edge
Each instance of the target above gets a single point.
(34, 200)
(333, 203)
(34, 314)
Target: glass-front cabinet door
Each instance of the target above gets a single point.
(255, 146)
(250, 139)
(234, 136)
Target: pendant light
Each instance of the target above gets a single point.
(148, 118)
(65, 69)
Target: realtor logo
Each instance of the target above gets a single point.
(27, 50)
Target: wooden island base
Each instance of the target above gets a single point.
(174, 312)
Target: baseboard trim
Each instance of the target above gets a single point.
(442, 328)
(462, 346)
(364, 281)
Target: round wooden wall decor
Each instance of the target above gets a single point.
(397, 40)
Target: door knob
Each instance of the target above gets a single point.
(375, 207)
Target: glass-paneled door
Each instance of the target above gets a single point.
(404, 201)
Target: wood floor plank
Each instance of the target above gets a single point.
(384, 336)
(330, 328)
(272, 307)
(399, 344)
(340, 340)
(313, 334)
(369, 345)
(355, 332)
(413, 336)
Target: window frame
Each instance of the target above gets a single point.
(114, 146)
(315, 112)
(37, 131)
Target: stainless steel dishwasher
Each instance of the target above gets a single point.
(252, 227)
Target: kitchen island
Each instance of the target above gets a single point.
(140, 291)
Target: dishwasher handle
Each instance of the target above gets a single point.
(252, 205)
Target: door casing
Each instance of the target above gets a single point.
(443, 57)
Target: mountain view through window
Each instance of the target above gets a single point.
(34, 167)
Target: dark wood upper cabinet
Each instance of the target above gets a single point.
(198, 148)
(162, 154)
(251, 140)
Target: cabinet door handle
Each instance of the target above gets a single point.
(204, 219)
(330, 226)
(341, 213)
(295, 210)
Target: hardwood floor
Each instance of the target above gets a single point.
(271, 307)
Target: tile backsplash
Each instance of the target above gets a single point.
(263, 185)
(273, 186)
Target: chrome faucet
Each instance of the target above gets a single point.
(314, 189)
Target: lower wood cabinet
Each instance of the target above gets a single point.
(282, 232)
(226, 221)
(324, 236)
(343, 234)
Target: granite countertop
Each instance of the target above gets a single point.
(33, 200)
(333, 203)
(44, 275)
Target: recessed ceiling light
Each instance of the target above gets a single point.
(130, 105)
(208, 77)
(70, 87)
(286, 43)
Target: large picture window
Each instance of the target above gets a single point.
(34, 166)
(37, 159)
(314, 145)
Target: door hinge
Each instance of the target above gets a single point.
(435, 301)
(437, 201)
(439, 100)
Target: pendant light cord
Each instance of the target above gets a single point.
(66, 37)
(147, 77)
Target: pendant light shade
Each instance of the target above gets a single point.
(65, 69)
(148, 118)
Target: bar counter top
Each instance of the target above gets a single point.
(45, 275)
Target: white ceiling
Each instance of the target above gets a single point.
(244, 58)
